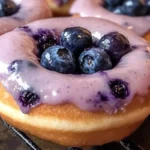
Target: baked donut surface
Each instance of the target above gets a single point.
(73, 122)
(95, 8)
(29, 10)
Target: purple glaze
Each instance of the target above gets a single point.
(94, 8)
(30, 10)
(87, 92)
(60, 2)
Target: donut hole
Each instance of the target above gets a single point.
(74, 50)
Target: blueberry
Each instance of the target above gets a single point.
(28, 98)
(58, 58)
(110, 8)
(44, 39)
(8, 7)
(17, 65)
(115, 44)
(147, 2)
(119, 88)
(114, 2)
(134, 8)
(76, 39)
(93, 60)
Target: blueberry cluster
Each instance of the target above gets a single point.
(76, 52)
(129, 7)
(8, 7)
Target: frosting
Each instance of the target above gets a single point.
(94, 8)
(29, 11)
(87, 92)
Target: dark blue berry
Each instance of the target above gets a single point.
(28, 98)
(8, 7)
(148, 6)
(119, 88)
(114, 2)
(134, 8)
(115, 44)
(147, 2)
(110, 8)
(93, 60)
(76, 39)
(17, 65)
(58, 58)
(44, 39)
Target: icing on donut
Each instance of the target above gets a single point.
(21, 72)
(94, 8)
(29, 10)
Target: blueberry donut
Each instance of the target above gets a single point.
(15, 13)
(132, 14)
(74, 83)
(60, 7)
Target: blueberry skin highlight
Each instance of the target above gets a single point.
(59, 59)
(115, 44)
(76, 39)
(93, 60)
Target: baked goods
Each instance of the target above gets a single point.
(15, 13)
(134, 15)
(86, 107)
(60, 7)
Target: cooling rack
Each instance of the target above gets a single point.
(126, 144)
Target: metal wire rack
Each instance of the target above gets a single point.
(126, 144)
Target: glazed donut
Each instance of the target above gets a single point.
(60, 7)
(73, 110)
(25, 13)
(95, 8)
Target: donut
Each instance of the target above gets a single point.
(122, 13)
(60, 7)
(44, 94)
(15, 13)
